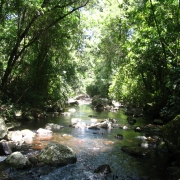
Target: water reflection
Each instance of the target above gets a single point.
(94, 148)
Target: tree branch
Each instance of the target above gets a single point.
(17, 52)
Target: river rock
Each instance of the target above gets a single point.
(2, 153)
(18, 161)
(112, 120)
(28, 136)
(44, 132)
(123, 127)
(104, 124)
(104, 169)
(75, 120)
(3, 128)
(15, 136)
(171, 136)
(53, 127)
(57, 154)
(27, 132)
(5, 148)
(93, 127)
(81, 125)
(137, 129)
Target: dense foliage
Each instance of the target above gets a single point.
(126, 50)
(149, 75)
(37, 37)
(139, 48)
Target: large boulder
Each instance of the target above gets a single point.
(171, 136)
(18, 161)
(3, 128)
(57, 154)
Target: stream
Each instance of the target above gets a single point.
(96, 147)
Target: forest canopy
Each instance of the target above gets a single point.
(127, 50)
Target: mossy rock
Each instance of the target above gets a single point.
(171, 136)
(57, 154)
(17, 161)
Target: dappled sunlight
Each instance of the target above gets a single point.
(97, 146)
(119, 58)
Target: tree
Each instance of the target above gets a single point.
(98, 62)
(147, 56)
(26, 26)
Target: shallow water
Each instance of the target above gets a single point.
(96, 147)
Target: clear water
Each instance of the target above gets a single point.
(93, 150)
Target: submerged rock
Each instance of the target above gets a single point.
(78, 125)
(4, 175)
(44, 132)
(94, 128)
(104, 169)
(57, 154)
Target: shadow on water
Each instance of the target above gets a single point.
(94, 148)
